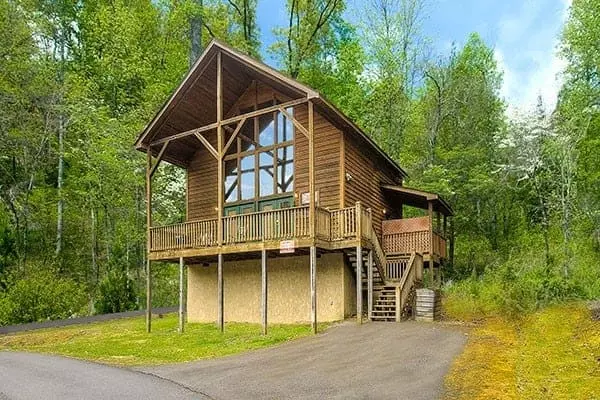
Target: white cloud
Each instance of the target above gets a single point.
(526, 51)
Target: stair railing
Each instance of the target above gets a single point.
(412, 274)
(371, 236)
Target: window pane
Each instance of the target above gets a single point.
(231, 186)
(266, 174)
(285, 169)
(285, 127)
(266, 129)
(247, 177)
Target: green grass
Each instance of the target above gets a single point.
(125, 342)
(553, 353)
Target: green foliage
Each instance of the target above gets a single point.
(38, 295)
(116, 293)
(524, 282)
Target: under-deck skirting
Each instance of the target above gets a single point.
(288, 287)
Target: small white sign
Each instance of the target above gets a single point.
(287, 247)
(305, 198)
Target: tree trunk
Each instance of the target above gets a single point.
(196, 34)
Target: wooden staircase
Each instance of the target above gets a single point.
(384, 307)
(395, 279)
(378, 279)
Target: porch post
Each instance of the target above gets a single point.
(148, 296)
(311, 170)
(370, 284)
(220, 291)
(431, 266)
(264, 290)
(313, 288)
(219, 151)
(148, 239)
(359, 283)
(181, 297)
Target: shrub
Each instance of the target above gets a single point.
(41, 295)
(116, 293)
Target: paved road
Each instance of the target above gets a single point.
(372, 361)
(36, 376)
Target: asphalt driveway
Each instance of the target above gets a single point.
(374, 361)
(38, 376)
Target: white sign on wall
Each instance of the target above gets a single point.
(305, 198)
(287, 247)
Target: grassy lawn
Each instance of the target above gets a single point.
(551, 354)
(125, 342)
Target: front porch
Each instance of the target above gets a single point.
(288, 229)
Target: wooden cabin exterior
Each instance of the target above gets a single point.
(287, 202)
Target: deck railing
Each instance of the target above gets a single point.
(287, 223)
(412, 235)
(292, 223)
(343, 223)
(187, 235)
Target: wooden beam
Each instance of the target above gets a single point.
(208, 146)
(430, 213)
(220, 182)
(148, 242)
(359, 283)
(159, 157)
(264, 290)
(228, 121)
(342, 171)
(220, 315)
(311, 169)
(313, 288)
(181, 135)
(296, 123)
(370, 285)
(266, 110)
(233, 136)
(181, 297)
(148, 297)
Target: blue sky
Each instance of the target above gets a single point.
(523, 33)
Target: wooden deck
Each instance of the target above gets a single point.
(335, 229)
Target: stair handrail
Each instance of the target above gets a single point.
(371, 236)
(413, 272)
(380, 259)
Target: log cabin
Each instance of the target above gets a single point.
(293, 214)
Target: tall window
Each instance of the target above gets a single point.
(262, 163)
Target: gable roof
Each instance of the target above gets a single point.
(193, 103)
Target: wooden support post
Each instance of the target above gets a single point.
(313, 288)
(359, 283)
(220, 182)
(220, 318)
(370, 284)
(431, 266)
(181, 297)
(148, 296)
(264, 301)
(399, 304)
(311, 169)
(148, 239)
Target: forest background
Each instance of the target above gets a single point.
(80, 79)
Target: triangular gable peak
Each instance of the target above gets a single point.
(192, 109)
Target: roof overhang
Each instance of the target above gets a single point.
(418, 198)
(193, 104)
